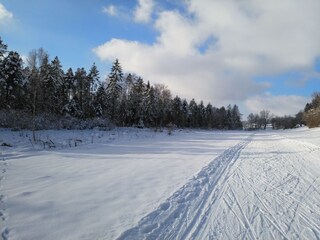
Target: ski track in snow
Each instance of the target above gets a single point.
(266, 187)
(183, 214)
(3, 212)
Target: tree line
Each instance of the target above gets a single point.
(311, 114)
(310, 117)
(41, 86)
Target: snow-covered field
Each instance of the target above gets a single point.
(138, 184)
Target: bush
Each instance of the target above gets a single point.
(312, 118)
(15, 119)
(23, 120)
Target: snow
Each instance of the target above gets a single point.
(141, 184)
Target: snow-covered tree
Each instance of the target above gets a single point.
(265, 118)
(3, 48)
(94, 79)
(94, 82)
(209, 116)
(11, 83)
(193, 108)
(151, 107)
(69, 87)
(82, 90)
(57, 79)
(201, 115)
(185, 113)
(114, 90)
(236, 117)
(177, 114)
(136, 101)
(100, 102)
(311, 113)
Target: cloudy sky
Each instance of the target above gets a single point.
(254, 53)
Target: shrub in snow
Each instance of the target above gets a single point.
(170, 128)
(140, 124)
(312, 118)
(311, 113)
(17, 120)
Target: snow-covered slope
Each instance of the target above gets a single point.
(131, 184)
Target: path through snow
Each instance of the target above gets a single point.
(3, 215)
(266, 187)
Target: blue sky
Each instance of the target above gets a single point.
(257, 54)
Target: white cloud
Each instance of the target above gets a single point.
(111, 10)
(278, 105)
(5, 15)
(263, 36)
(143, 11)
(251, 38)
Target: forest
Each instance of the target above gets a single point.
(39, 94)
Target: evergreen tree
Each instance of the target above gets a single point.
(137, 101)
(94, 82)
(236, 117)
(3, 49)
(185, 114)
(114, 90)
(222, 118)
(209, 116)
(57, 79)
(93, 78)
(47, 88)
(177, 113)
(193, 107)
(230, 124)
(100, 102)
(11, 81)
(201, 115)
(68, 88)
(82, 90)
(151, 107)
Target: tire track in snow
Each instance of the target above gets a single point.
(183, 214)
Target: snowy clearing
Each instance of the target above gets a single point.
(138, 184)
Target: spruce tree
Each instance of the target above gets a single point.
(209, 116)
(201, 115)
(100, 102)
(177, 113)
(47, 89)
(193, 107)
(185, 114)
(57, 79)
(3, 48)
(94, 79)
(68, 89)
(236, 117)
(151, 107)
(11, 81)
(82, 90)
(222, 118)
(114, 90)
